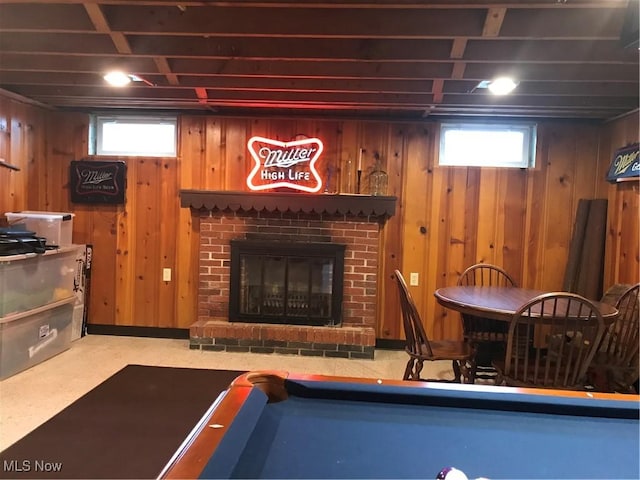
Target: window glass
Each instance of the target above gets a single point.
(136, 136)
(486, 145)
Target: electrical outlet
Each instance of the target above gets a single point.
(414, 279)
(166, 274)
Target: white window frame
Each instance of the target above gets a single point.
(99, 121)
(479, 154)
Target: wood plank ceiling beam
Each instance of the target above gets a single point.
(492, 24)
(102, 26)
(121, 43)
(165, 69)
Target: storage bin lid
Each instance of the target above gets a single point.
(8, 259)
(43, 308)
(40, 215)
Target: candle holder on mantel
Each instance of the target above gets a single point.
(359, 171)
(378, 179)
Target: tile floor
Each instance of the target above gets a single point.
(31, 397)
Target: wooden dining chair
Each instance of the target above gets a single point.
(479, 329)
(615, 366)
(487, 334)
(421, 349)
(486, 274)
(551, 342)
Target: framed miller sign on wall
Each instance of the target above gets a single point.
(98, 182)
(625, 165)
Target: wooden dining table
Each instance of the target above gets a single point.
(499, 303)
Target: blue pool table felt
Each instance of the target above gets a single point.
(310, 437)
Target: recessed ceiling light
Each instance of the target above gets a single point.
(501, 86)
(117, 79)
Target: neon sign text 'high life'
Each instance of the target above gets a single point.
(285, 164)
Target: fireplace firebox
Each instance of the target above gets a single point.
(294, 283)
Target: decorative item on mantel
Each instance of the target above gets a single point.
(378, 179)
(362, 150)
(328, 186)
(347, 176)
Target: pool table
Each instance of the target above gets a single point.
(280, 425)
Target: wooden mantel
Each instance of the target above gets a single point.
(341, 204)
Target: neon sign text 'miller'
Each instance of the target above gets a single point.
(285, 164)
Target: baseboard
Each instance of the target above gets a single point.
(133, 331)
(183, 333)
(388, 344)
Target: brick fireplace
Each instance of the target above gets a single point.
(350, 220)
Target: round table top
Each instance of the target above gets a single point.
(498, 303)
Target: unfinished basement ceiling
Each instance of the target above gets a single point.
(404, 59)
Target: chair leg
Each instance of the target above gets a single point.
(418, 369)
(408, 370)
(473, 362)
(456, 370)
(471, 372)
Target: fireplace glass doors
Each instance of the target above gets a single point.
(286, 282)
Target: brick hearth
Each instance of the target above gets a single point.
(345, 342)
(354, 338)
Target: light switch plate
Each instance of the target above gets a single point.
(166, 274)
(414, 279)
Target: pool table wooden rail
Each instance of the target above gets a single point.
(193, 455)
(197, 448)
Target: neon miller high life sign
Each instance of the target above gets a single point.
(285, 164)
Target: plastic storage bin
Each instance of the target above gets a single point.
(32, 280)
(31, 337)
(56, 227)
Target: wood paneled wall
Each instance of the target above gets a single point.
(447, 217)
(622, 254)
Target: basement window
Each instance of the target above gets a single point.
(122, 135)
(487, 145)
